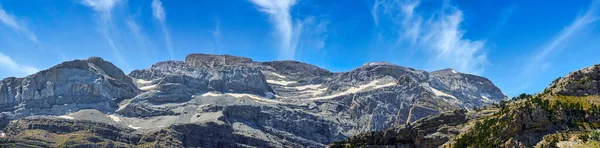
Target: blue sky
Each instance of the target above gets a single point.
(520, 45)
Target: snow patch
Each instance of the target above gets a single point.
(239, 95)
(134, 127)
(149, 87)
(255, 97)
(123, 104)
(485, 98)
(440, 93)
(376, 63)
(312, 89)
(142, 81)
(314, 86)
(114, 118)
(280, 82)
(211, 94)
(66, 117)
(454, 71)
(373, 84)
(2, 134)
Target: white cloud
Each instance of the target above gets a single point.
(11, 21)
(10, 67)
(103, 6)
(440, 35)
(216, 37)
(144, 45)
(557, 43)
(375, 11)
(158, 11)
(451, 49)
(104, 9)
(279, 12)
(313, 36)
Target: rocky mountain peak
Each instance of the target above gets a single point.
(377, 63)
(209, 60)
(447, 71)
(94, 65)
(73, 85)
(578, 83)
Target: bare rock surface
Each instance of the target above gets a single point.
(211, 100)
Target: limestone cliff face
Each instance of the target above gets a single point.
(473, 90)
(175, 81)
(70, 86)
(200, 100)
(210, 61)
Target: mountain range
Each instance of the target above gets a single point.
(565, 114)
(229, 101)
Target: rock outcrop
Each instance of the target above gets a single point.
(583, 82)
(427, 132)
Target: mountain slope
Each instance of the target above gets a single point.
(68, 86)
(217, 99)
(566, 113)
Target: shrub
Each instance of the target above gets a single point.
(584, 137)
(595, 135)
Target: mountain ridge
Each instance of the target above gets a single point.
(272, 103)
(566, 114)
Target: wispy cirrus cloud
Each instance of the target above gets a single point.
(10, 67)
(308, 33)
(279, 12)
(12, 22)
(538, 61)
(313, 37)
(439, 35)
(216, 37)
(103, 6)
(144, 45)
(158, 11)
(104, 10)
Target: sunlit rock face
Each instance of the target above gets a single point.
(583, 82)
(70, 86)
(276, 103)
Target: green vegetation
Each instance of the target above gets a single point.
(595, 135)
(495, 130)
(481, 133)
(556, 80)
(522, 96)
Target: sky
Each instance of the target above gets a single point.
(521, 46)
